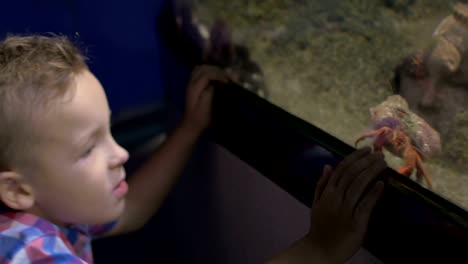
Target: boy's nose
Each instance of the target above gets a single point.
(123, 154)
(120, 155)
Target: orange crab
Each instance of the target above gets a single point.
(403, 134)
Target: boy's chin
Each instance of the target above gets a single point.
(118, 210)
(111, 214)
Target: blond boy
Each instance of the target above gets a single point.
(62, 180)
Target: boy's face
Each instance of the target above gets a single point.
(78, 177)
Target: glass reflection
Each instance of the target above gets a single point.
(384, 72)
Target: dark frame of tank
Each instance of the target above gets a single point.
(409, 222)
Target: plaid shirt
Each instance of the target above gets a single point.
(26, 238)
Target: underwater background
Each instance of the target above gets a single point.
(331, 62)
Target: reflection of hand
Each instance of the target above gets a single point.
(339, 214)
(199, 96)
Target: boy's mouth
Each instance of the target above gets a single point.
(121, 189)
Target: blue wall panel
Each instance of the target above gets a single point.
(119, 37)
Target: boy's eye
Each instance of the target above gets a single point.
(88, 151)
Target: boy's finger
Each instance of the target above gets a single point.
(322, 183)
(342, 166)
(195, 74)
(203, 80)
(354, 170)
(205, 99)
(357, 187)
(203, 70)
(364, 209)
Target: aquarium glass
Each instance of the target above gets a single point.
(392, 70)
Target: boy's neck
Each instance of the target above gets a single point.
(37, 212)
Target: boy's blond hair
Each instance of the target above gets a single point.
(34, 71)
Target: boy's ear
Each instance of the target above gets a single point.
(15, 192)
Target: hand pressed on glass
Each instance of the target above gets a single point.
(340, 211)
(200, 95)
(341, 207)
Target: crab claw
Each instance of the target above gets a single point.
(359, 139)
(380, 140)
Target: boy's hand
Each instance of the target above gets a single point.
(339, 214)
(199, 97)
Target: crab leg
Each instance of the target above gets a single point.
(414, 161)
(422, 172)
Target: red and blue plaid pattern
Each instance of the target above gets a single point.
(26, 238)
